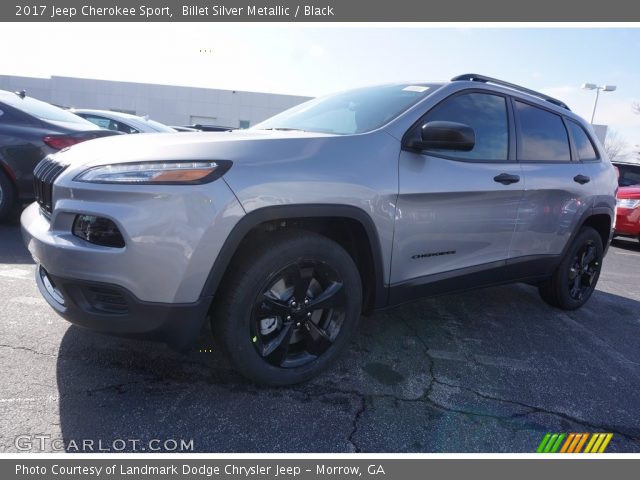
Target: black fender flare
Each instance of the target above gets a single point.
(283, 212)
(599, 210)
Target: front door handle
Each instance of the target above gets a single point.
(581, 179)
(506, 178)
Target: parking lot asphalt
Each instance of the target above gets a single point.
(490, 370)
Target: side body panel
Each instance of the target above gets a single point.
(358, 171)
(552, 206)
(451, 215)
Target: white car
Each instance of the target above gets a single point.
(122, 122)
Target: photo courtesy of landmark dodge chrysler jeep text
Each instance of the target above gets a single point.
(285, 233)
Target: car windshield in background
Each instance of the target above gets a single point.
(354, 111)
(41, 110)
(159, 127)
(629, 174)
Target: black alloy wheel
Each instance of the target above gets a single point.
(297, 317)
(288, 306)
(575, 278)
(583, 271)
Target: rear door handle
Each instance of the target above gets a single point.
(506, 178)
(581, 179)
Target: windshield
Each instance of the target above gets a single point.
(346, 113)
(159, 127)
(629, 174)
(41, 110)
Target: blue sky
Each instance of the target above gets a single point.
(314, 60)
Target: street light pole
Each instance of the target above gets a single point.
(595, 105)
(597, 88)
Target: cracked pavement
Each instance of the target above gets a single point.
(490, 370)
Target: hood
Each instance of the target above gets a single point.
(629, 192)
(234, 145)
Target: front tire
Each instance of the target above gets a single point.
(288, 307)
(576, 277)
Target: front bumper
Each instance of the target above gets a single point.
(112, 309)
(153, 286)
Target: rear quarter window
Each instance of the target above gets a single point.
(584, 146)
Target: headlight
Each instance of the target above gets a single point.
(157, 173)
(628, 203)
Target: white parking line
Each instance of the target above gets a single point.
(48, 398)
(628, 253)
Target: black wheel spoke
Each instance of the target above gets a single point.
(588, 276)
(589, 256)
(283, 314)
(302, 277)
(332, 296)
(575, 288)
(583, 272)
(268, 305)
(317, 339)
(280, 344)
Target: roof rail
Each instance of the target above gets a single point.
(474, 77)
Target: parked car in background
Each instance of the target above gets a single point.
(285, 233)
(122, 122)
(210, 128)
(185, 129)
(628, 212)
(628, 173)
(30, 130)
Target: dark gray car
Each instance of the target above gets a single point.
(287, 232)
(30, 130)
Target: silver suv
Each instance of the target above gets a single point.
(284, 234)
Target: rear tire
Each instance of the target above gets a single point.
(7, 197)
(287, 307)
(575, 279)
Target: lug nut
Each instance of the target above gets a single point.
(306, 301)
(288, 317)
(294, 304)
(298, 324)
(309, 314)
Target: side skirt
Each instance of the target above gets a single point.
(523, 269)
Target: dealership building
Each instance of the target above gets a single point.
(169, 104)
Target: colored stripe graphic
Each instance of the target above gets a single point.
(556, 445)
(582, 442)
(573, 442)
(594, 437)
(550, 443)
(568, 442)
(606, 441)
(544, 441)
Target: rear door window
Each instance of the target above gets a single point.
(543, 136)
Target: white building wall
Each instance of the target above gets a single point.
(172, 105)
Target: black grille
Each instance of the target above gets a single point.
(107, 300)
(43, 177)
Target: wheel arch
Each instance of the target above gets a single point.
(598, 218)
(331, 220)
(601, 221)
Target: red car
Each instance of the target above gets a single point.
(628, 212)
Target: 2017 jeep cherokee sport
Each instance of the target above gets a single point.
(285, 233)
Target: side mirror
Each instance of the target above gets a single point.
(440, 135)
